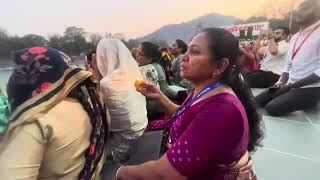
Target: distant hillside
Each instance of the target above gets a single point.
(187, 30)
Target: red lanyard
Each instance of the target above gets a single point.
(295, 51)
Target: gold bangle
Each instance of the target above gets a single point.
(118, 172)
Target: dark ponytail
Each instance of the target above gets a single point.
(223, 44)
(239, 85)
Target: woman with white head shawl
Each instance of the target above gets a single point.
(126, 106)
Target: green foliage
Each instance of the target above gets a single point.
(76, 40)
(10, 44)
(93, 41)
(31, 40)
(131, 43)
(73, 42)
(4, 44)
(56, 41)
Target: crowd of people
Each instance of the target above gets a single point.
(288, 65)
(60, 121)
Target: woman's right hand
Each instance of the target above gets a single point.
(149, 90)
(278, 84)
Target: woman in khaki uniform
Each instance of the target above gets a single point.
(57, 126)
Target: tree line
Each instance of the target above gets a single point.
(76, 40)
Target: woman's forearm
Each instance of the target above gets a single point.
(139, 172)
(156, 170)
(169, 107)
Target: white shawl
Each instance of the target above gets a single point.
(119, 70)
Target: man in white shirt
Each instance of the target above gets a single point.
(299, 85)
(273, 59)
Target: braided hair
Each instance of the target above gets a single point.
(97, 113)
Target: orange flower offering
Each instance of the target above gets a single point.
(139, 82)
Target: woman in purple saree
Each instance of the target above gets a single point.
(211, 134)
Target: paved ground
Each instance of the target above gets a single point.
(291, 147)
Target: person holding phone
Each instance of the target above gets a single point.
(271, 57)
(299, 85)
